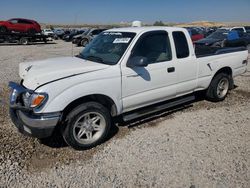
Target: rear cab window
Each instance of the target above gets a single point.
(181, 44)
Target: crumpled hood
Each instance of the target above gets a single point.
(38, 73)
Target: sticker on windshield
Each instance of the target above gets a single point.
(112, 33)
(121, 40)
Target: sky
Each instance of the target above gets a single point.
(116, 11)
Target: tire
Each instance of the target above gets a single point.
(3, 29)
(219, 87)
(24, 41)
(84, 42)
(81, 129)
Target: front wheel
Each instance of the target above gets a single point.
(87, 126)
(219, 87)
(84, 42)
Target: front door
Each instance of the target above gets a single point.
(142, 86)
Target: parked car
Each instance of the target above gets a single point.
(125, 72)
(247, 28)
(59, 32)
(48, 32)
(220, 39)
(77, 38)
(209, 31)
(20, 25)
(239, 29)
(195, 35)
(86, 37)
(69, 37)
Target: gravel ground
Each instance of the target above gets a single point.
(200, 145)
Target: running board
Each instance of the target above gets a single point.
(157, 108)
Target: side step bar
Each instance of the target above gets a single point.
(156, 108)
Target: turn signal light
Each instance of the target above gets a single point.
(37, 100)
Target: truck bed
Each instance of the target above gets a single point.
(204, 51)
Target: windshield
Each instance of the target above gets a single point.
(85, 32)
(107, 47)
(218, 35)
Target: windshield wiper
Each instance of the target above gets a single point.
(94, 58)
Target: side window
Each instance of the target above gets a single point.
(238, 29)
(154, 46)
(20, 21)
(181, 44)
(96, 32)
(24, 22)
(13, 21)
(247, 29)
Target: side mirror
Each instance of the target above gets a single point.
(137, 61)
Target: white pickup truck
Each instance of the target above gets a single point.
(125, 72)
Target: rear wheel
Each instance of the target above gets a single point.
(218, 88)
(3, 29)
(87, 126)
(24, 41)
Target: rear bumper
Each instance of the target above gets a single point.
(39, 126)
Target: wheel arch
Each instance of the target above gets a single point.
(227, 70)
(100, 98)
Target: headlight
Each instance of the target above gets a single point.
(33, 100)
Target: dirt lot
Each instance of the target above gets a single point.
(200, 145)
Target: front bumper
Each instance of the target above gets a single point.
(39, 126)
(28, 122)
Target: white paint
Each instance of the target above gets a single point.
(128, 88)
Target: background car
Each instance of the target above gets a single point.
(59, 32)
(20, 25)
(48, 32)
(247, 29)
(225, 37)
(86, 37)
(215, 39)
(69, 37)
(195, 35)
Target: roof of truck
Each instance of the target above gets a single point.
(144, 29)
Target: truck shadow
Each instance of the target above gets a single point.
(118, 129)
(57, 141)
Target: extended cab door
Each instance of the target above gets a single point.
(186, 63)
(142, 86)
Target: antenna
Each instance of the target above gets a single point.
(72, 47)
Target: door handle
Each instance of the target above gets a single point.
(171, 69)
